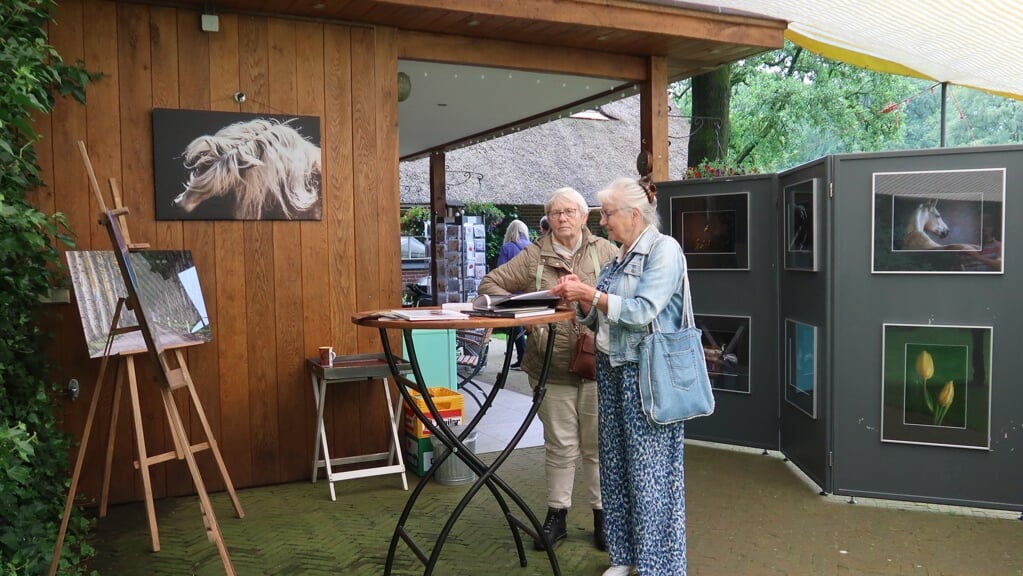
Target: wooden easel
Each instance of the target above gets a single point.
(170, 379)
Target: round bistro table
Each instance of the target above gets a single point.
(486, 474)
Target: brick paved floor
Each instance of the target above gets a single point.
(748, 515)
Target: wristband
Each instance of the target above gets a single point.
(596, 298)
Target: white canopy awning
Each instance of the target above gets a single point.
(974, 43)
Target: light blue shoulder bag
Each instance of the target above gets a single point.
(673, 382)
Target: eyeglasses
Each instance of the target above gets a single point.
(609, 213)
(570, 213)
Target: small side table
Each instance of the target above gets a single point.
(356, 368)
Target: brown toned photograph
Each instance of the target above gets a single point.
(236, 166)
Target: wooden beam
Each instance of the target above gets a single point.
(519, 56)
(653, 113)
(438, 208)
(627, 15)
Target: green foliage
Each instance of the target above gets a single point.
(33, 450)
(973, 118)
(792, 106)
(413, 220)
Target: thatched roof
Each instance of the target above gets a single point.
(522, 168)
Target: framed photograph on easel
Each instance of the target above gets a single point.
(168, 281)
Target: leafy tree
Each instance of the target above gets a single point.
(711, 126)
(791, 106)
(33, 449)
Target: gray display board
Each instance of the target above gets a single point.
(924, 354)
(727, 229)
(803, 327)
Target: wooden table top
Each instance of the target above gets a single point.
(375, 319)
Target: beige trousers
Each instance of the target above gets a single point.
(569, 417)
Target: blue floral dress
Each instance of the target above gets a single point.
(641, 475)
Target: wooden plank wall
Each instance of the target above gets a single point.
(275, 291)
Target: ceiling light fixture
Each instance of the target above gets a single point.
(404, 86)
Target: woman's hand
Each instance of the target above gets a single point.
(571, 289)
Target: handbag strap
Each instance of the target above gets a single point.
(687, 299)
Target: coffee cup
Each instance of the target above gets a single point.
(327, 355)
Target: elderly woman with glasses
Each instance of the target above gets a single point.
(569, 408)
(641, 469)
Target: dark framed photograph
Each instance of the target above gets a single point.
(236, 166)
(726, 349)
(941, 222)
(713, 230)
(801, 226)
(801, 366)
(936, 385)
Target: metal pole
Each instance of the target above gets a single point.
(944, 110)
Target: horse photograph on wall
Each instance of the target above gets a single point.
(236, 166)
(941, 222)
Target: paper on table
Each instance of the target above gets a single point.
(418, 314)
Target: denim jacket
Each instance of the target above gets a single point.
(645, 284)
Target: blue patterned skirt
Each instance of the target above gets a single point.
(641, 478)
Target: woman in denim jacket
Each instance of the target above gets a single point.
(641, 473)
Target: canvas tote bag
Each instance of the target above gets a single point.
(673, 382)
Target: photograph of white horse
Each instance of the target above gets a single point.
(924, 227)
(938, 222)
(232, 166)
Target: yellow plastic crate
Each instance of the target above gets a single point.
(450, 404)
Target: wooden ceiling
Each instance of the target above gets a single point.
(693, 41)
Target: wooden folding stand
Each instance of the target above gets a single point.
(169, 379)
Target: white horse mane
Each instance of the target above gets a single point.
(269, 168)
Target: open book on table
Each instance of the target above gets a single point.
(542, 299)
(512, 312)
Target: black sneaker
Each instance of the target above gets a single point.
(516, 366)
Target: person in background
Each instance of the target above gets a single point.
(516, 238)
(569, 408)
(641, 472)
(545, 227)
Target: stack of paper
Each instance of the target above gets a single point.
(425, 314)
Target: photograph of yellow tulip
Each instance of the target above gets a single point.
(937, 385)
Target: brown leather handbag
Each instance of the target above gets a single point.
(584, 357)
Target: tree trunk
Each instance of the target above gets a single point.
(710, 129)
